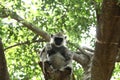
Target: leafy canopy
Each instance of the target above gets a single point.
(74, 17)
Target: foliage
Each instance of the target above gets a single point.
(116, 73)
(75, 17)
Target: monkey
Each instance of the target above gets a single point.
(57, 53)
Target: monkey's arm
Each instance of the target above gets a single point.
(68, 62)
(68, 55)
(43, 55)
(69, 58)
(44, 52)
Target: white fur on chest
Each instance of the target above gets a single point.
(57, 60)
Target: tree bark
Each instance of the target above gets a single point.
(3, 65)
(56, 75)
(108, 36)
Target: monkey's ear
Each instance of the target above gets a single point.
(65, 37)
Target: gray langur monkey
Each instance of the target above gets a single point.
(57, 54)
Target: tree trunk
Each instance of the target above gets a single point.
(108, 37)
(57, 75)
(3, 67)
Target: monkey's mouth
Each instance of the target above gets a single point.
(58, 41)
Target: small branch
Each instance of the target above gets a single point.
(83, 50)
(26, 42)
(88, 49)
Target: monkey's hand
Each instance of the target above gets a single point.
(68, 55)
(48, 46)
(51, 52)
(66, 68)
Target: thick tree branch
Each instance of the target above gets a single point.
(4, 12)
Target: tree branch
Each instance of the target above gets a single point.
(4, 12)
(4, 75)
(26, 42)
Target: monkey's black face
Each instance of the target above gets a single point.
(58, 40)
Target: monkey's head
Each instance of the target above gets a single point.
(58, 39)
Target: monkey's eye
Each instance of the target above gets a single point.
(58, 40)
